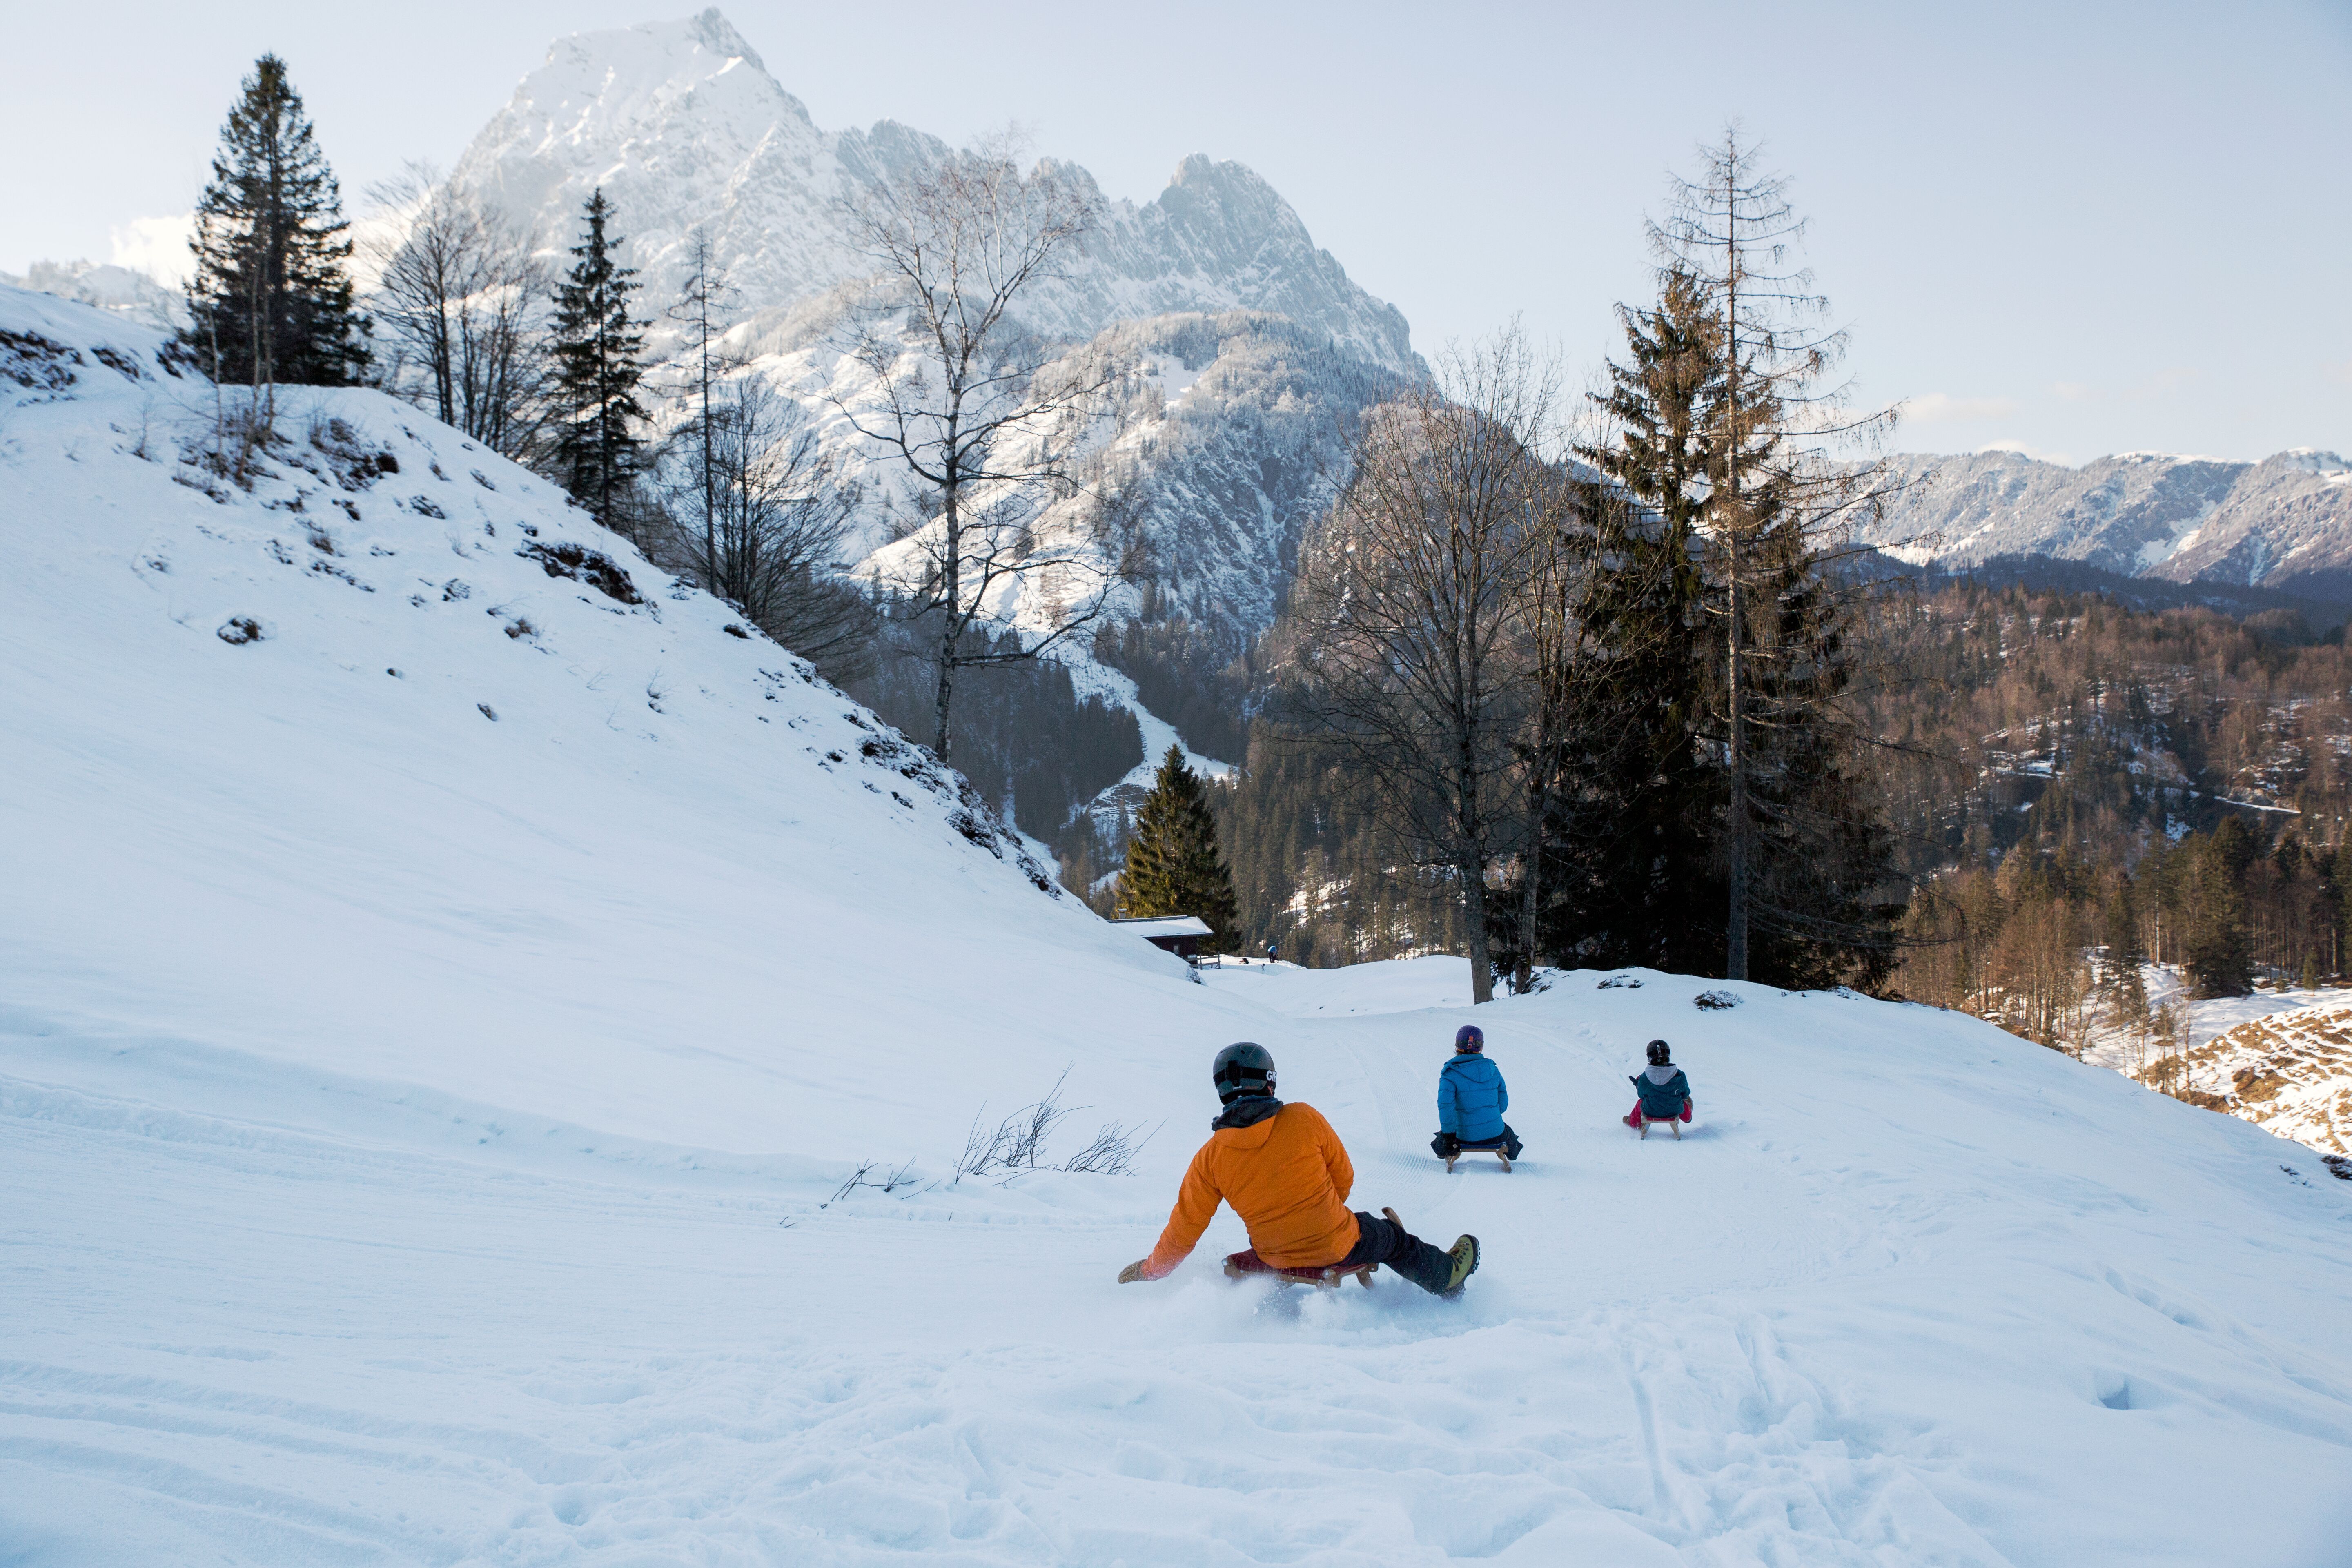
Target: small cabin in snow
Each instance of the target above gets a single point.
(1179, 934)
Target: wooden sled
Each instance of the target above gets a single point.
(1242, 1265)
(1649, 1122)
(1468, 1149)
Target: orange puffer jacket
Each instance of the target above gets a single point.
(1287, 1177)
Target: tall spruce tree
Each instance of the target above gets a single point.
(1665, 817)
(270, 302)
(1633, 842)
(598, 454)
(1173, 864)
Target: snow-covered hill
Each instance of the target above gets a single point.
(485, 1055)
(2285, 523)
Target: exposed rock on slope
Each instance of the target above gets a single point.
(2290, 1072)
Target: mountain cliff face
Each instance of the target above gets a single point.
(1236, 352)
(2285, 523)
(683, 126)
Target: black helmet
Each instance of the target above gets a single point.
(1659, 1055)
(1243, 1068)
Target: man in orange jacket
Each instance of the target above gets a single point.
(1285, 1174)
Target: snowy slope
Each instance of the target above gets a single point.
(424, 1136)
(2290, 1072)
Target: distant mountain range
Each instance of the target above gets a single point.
(2284, 523)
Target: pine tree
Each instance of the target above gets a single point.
(2216, 959)
(1634, 843)
(597, 372)
(1173, 863)
(1658, 821)
(271, 299)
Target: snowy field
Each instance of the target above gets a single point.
(423, 1137)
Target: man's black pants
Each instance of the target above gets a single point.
(1377, 1241)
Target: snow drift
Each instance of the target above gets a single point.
(454, 986)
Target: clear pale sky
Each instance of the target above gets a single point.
(2072, 228)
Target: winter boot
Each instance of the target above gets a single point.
(1463, 1255)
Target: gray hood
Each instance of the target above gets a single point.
(1661, 1073)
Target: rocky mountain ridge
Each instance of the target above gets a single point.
(2284, 523)
(683, 127)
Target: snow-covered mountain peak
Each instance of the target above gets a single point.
(2285, 523)
(638, 73)
(684, 129)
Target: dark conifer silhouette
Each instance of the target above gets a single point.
(1173, 864)
(597, 452)
(271, 300)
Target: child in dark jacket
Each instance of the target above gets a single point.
(1471, 1100)
(1664, 1093)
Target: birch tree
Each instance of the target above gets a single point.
(978, 410)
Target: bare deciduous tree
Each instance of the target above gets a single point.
(1410, 607)
(979, 411)
(755, 513)
(459, 295)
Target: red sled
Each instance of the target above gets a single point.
(1642, 1121)
(1330, 1277)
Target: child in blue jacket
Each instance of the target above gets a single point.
(1664, 1093)
(1471, 1100)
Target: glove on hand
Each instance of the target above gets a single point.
(1132, 1272)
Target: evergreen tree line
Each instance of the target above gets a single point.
(1314, 871)
(2085, 787)
(2051, 946)
(1184, 674)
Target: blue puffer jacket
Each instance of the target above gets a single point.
(1471, 1099)
(1662, 1101)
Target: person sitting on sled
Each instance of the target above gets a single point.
(1471, 1100)
(1285, 1174)
(1664, 1093)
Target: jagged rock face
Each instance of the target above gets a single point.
(1223, 437)
(1239, 352)
(683, 127)
(2285, 523)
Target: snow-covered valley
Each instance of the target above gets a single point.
(441, 1028)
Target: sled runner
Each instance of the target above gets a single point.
(1240, 1265)
(1330, 1277)
(1674, 1121)
(1495, 1148)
